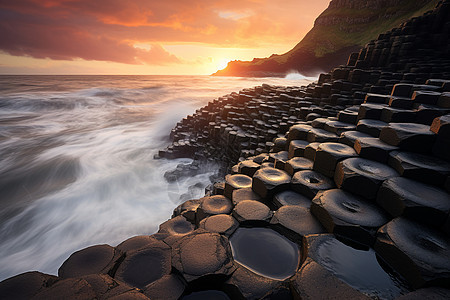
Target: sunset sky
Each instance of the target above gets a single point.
(146, 36)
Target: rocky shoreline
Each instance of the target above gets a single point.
(338, 189)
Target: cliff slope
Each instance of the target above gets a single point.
(342, 28)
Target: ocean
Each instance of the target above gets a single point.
(77, 163)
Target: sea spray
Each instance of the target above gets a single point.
(76, 160)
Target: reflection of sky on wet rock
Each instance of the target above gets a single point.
(360, 269)
(265, 252)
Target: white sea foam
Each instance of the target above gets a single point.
(76, 160)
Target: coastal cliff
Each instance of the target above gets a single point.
(344, 27)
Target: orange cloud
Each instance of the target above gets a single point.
(107, 30)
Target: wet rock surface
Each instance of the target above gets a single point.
(366, 143)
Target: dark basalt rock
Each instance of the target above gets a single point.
(402, 90)
(408, 136)
(290, 198)
(424, 168)
(208, 294)
(213, 205)
(349, 137)
(248, 285)
(310, 151)
(339, 271)
(26, 285)
(187, 209)
(371, 127)
(169, 287)
(433, 293)
(298, 164)
(377, 98)
(308, 183)
(373, 149)
(338, 127)
(136, 242)
(250, 211)
(348, 216)
(297, 148)
(420, 254)
(298, 220)
(321, 136)
(90, 287)
(313, 281)
(361, 176)
(397, 115)
(298, 132)
(265, 252)
(328, 155)
(248, 167)
(441, 126)
(370, 111)
(99, 259)
(426, 97)
(203, 254)
(269, 181)
(279, 159)
(424, 203)
(145, 265)
(177, 226)
(234, 182)
(223, 224)
(245, 194)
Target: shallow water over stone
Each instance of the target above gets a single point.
(265, 252)
(360, 269)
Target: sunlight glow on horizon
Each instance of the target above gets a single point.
(145, 38)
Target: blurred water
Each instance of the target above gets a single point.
(76, 160)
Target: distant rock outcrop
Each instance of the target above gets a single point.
(342, 28)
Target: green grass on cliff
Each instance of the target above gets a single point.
(324, 39)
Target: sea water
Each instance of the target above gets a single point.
(77, 163)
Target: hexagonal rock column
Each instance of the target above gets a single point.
(223, 224)
(298, 132)
(269, 181)
(424, 203)
(187, 209)
(310, 151)
(298, 164)
(334, 270)
(252, 212)
(234, 182)
(371, 127)
(290, 197)
(419, 253)
(328, 155)
(373, 149)
(175, 228)
(308, 183)
(213, 205)
(361, 176)
(98, 259)
(248, 167)
(248, 285)
(244, 194)
(92, 286)
(321, 136)
(441, 126)
(169, 287)
(349, 137)
(203, 255)
(295, 222)
(145, 265)
(424, 168)
(297, 148)
(26, 285)
(408, 136)
(349, 216)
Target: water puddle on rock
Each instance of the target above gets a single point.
(265, 252)
(360, 269)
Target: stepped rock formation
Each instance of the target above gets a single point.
(339, 189)
(342, 28)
